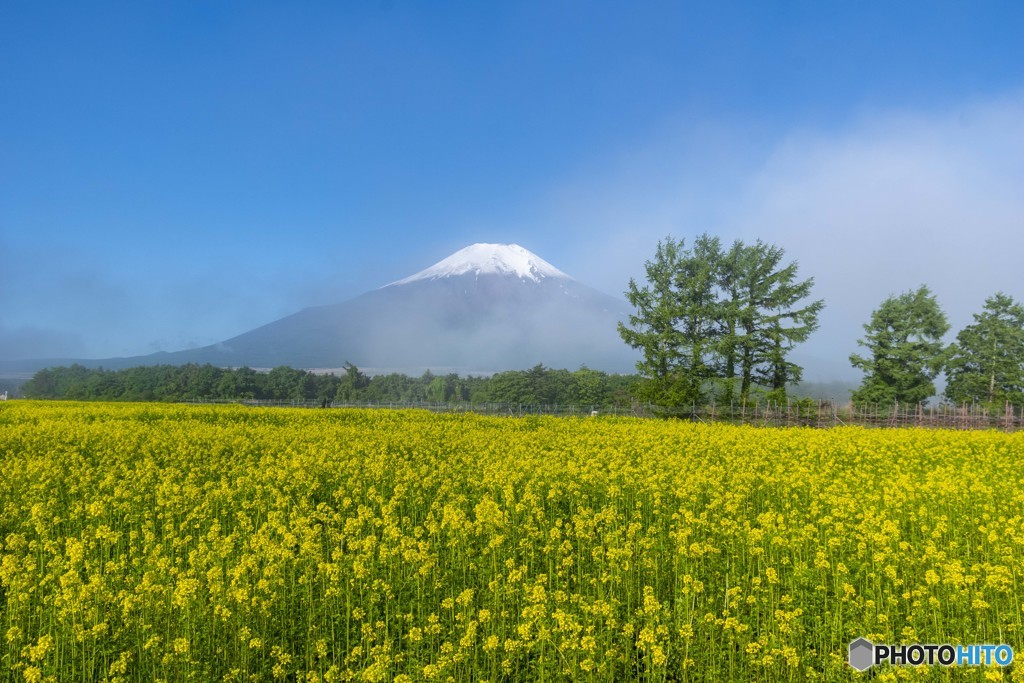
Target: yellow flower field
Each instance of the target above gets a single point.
(201, 543)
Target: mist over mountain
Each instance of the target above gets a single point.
(485, 308)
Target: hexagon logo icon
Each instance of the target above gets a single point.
(862, 654)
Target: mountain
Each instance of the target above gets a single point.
(485, 308)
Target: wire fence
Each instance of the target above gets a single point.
(792, 413)
(513, 409)
(825, 414)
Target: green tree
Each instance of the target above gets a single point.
(393, 387)
(444, 388)
(589, 387)
(325, 386)
(514, 386)
(987, 360)
(285, 383)
(905, 350)
(352, 385)
(710, 316)
(676, 321)
(44, 384)
(763, 317)
(477, 389)
(652, 329)
(239, 383)
(700, 316)
(733, 344)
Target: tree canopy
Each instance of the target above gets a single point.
(986, 363)
(763, 317)
(904, 349)
(539, 385)
(708, 320)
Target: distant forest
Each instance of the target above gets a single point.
(538, 385)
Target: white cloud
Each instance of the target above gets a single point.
(899, 201)
(880, 206)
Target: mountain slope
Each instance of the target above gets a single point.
(485, 308)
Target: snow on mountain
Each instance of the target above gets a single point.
(489, 259)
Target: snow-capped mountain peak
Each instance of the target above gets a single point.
(489, 259)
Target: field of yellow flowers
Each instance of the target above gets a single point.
(222, 543)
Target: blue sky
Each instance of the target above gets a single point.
(173, 174)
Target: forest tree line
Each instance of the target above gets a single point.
(538, 385)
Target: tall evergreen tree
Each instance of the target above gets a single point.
(352, 384)
(708, 314)
(987, 359)
(905, 350)
(675, 321)
(763, 317)
(652, 329)
(700, 314)
(732, 340)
